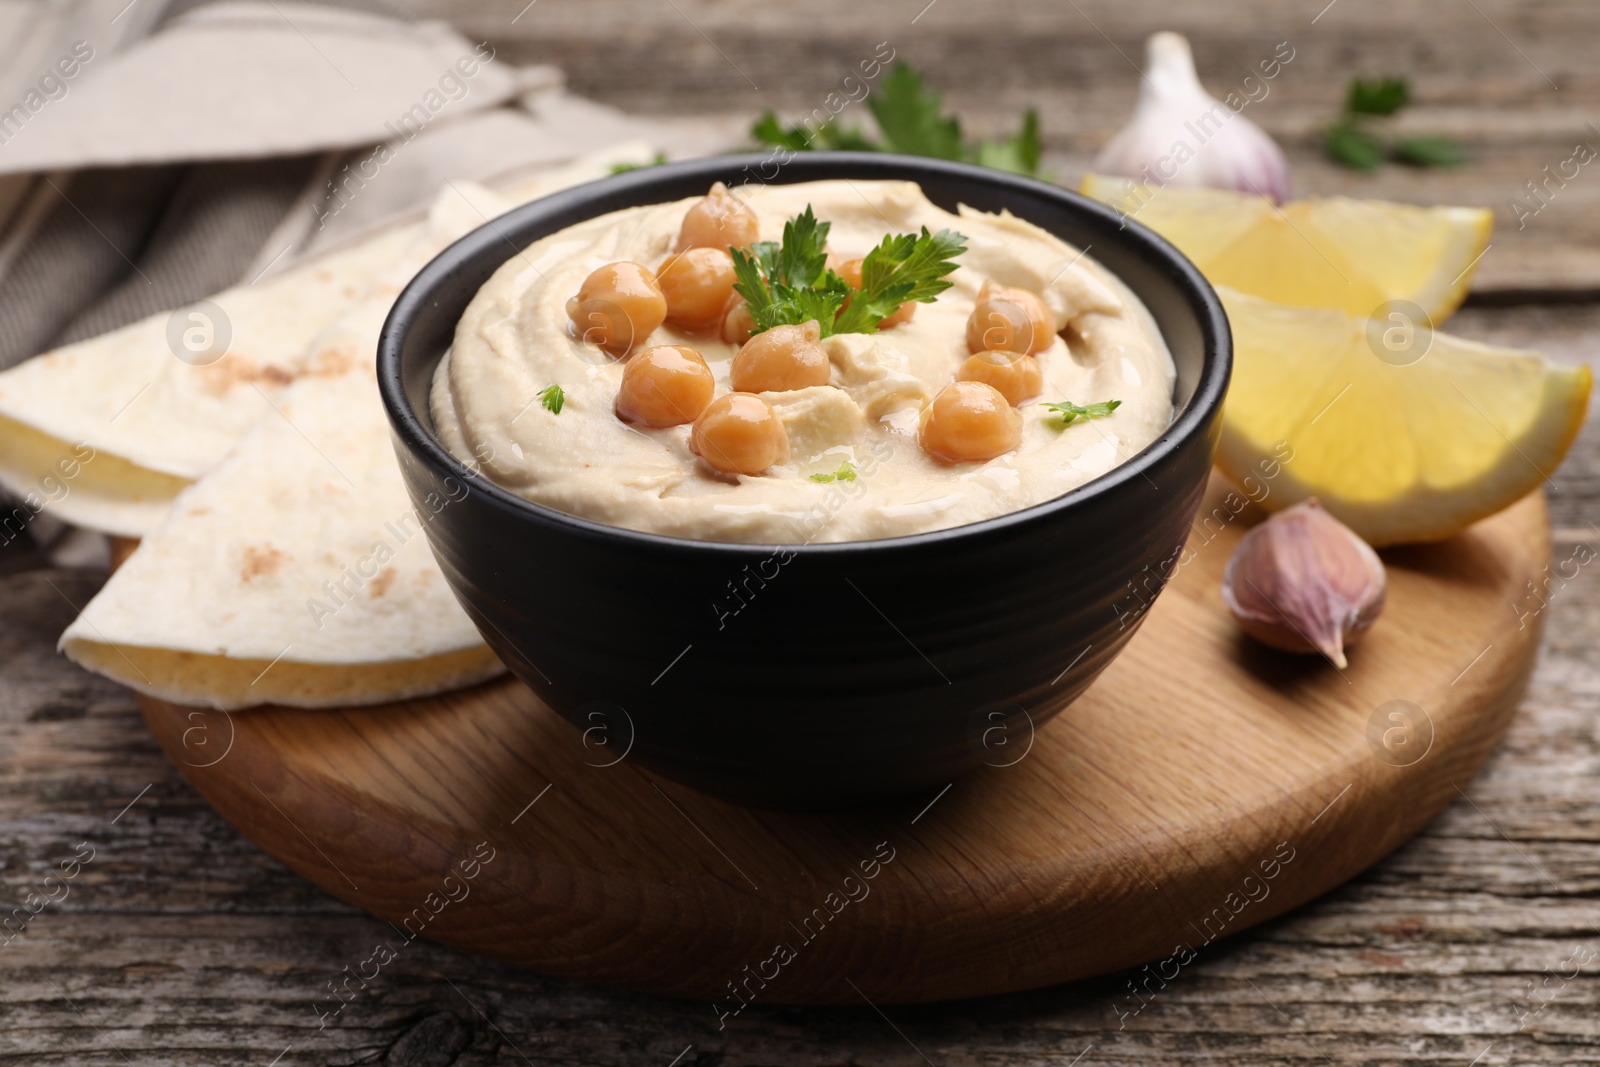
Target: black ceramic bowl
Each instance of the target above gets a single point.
(822, 675)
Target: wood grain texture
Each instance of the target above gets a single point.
(1515, 81)
(184, 944)
(1201, 786)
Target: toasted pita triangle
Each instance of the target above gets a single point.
(151, 422)
(297, 571)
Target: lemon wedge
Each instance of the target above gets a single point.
(1404, 433)
(1333, 252)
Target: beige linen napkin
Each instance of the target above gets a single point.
(244, 79)
(145, 165)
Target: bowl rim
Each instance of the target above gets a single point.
(1192, 420)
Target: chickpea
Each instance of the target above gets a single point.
(697, 284)
(667, 385)
(1009, 320)
(720, 220)
(739, 434)
(618, 306)
(970, 421)
(780, 359)
(850, 271)
(1015, 376)
(737, 323)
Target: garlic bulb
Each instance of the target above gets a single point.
(1180, 135)
(1304, 582)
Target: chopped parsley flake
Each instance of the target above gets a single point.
(845, 473)
(1071, 413)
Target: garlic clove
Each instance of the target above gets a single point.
(1304, 582)
(1181, 135)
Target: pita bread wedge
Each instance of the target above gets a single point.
(297, 571)
(150, 421)
(153, 405)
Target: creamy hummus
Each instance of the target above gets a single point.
(515, 340)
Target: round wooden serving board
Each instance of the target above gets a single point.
(1201, 786)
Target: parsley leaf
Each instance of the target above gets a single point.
(1354, 147)
(800, 258)
(1019, 154)
(904, 267)
(768, 273)
(1429, 151)
(789, 283)
(1071, 413)
(822, 301)
(908, 116)
(768, 130)
(552, 397)
(1380, 96)
(845, 473)
(751, 283)
(1351, 139)
(623, 168)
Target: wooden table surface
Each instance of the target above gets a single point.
(179, 942)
